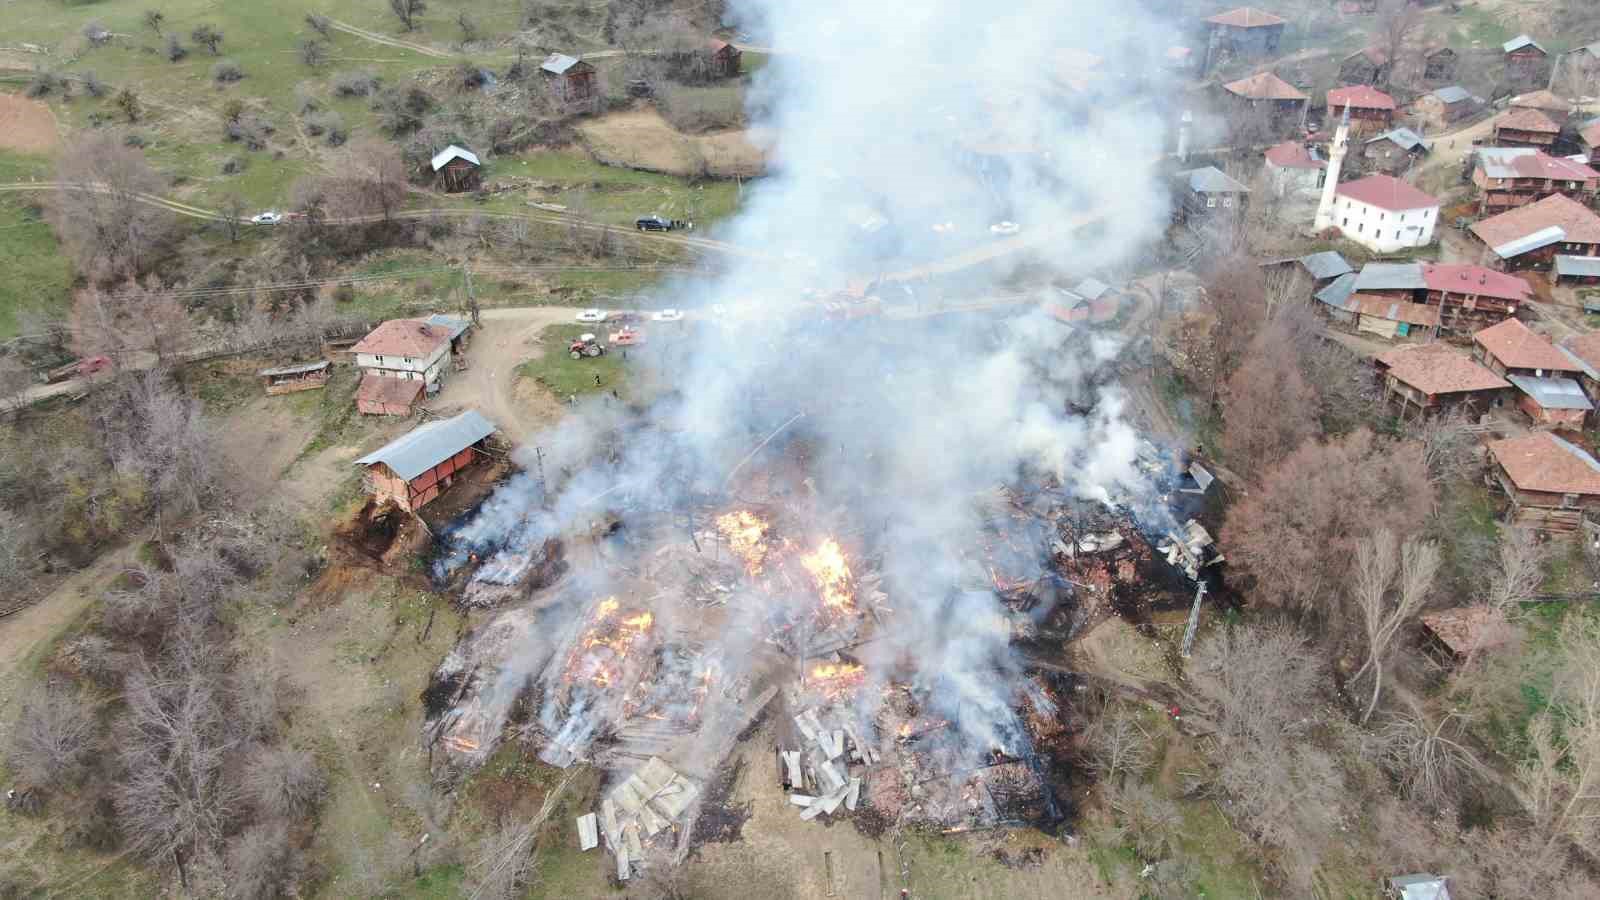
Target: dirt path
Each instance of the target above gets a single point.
(507, 338)
(387, 41)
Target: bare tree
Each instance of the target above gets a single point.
(1153, 822)
(15, 536)
(1391, 582)
(208, 36)
(407, 11)
(284, 783)
(233, 210)
(1296, 533)
(153, 19)
(101, 210)
(1449, 449)
(1268, 408)
(1431, 759)
(55, 736)
(1394, 27)
(1118, 746)
(318, 23)
(1256, 680)
(1521, 571)
(1560, 778)
(262, 863)
(469, 28)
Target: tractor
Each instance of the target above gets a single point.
(586, 345)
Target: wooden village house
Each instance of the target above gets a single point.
(300, 377)
(1461, 631)
(1553, 484)
(1425, 378)
(1512, 348)
(1584, 270)
(1369, 65)
(724, 60)
(1207, 192)
(456, 169)
(569, 79)
(1242, 33)
(1589, 140)
(403, 359)
(1525, 60)
(1584, 351)
(415, 469)
(1529, 237)
(1445, 106)
(1276, 103)
(1552, 402)
(1509, 177)
(1394, 151)
(1370, 109)
(380, 396)
(1523, 126)
(1470, 297)
(1545, 101)
(1438, 64)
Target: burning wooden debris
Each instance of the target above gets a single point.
(642, 814)
(1191, 549)
(513, 574)
(829, 768)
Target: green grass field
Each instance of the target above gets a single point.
(608, 193)
(565, 376)
(37, 276)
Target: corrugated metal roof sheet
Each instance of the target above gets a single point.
(1520, 41)
(300, 369)
(433, 443)
(1391, 277)
(1404, 138)
(1544, 237)
(1586, 266)
(1338, 293)
(1552, 393)
(1211, 180)
(1327, 264)
(454, 324)
(558, 63)
(1091, 289)
(443, 157)
(1452, 94)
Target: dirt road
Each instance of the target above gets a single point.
(507, 338)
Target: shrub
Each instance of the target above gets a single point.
(313, 53)
(330, 124)
(95, 33)
(703, 109)
(250, 130)
(93, 86)
(43, 84)
(355, 83)
(226, 71)
(283, 782)
(233, 165)
(134, 139)
(175, 49)
(344, 293)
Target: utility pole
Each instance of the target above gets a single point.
(544, 491)
(472, 297)
(1194, 621)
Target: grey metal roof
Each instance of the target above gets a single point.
(298, 369)
(558, 63)
(1452, 94)
(1090, 289)
(433, 443)
(1210, 180)
(1552, 393)
(1327, 264)
(1420, 887)
(1405, 138)
(1520, 41)
(1391, 277)
(1588, 266)
(1497, 161)
(455, 324)
(1338, 293)
(1578, 360)
(1544, 237)
(443, 157)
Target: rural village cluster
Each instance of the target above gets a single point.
(701, 611)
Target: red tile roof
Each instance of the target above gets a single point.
(1545, 463)
(1359, 96)
(1591, 135)
(1586, 347)
(1580, 225)
(1540, 164)
(1519, 347)
(1294, 155)
(1437, 369)
(1386, 192)
(388, 390)
(1476, 280)
(1264, 86)
(1468, 628)
(1541, 100)
(403, 337)
(1246, 17)
(1379, 307)
(1522, 118)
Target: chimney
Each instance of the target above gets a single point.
(1483, 277)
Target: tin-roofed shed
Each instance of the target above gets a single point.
(299, 377)
(415, 469)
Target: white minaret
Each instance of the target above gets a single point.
(1183, 136)
(1341, 142)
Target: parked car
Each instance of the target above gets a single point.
(78, 368)
(593, 315)
(660, 223)
(667, 315)
(270, 217)
(1005, 228)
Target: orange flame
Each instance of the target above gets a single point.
(746, 535)
(607, 607)
(832, 575)
(829, 671)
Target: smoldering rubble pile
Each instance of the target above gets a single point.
(643, 814)
(827, 771)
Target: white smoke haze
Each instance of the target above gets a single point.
(953, 113)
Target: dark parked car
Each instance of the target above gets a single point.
(657, 223)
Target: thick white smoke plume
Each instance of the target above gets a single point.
(902, 132)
